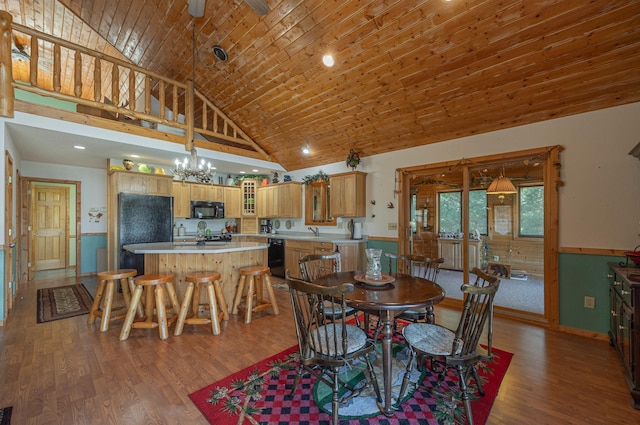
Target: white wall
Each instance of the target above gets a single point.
(599, 204)
(93, 188)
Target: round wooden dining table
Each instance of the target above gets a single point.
(403, 293)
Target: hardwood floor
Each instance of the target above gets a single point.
(67, 372)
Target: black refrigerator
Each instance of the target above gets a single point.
(142, 219)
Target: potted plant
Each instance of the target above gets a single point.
(353, 159)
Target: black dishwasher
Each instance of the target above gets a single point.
(276, 257)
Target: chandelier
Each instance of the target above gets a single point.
(186, 169)
(192, 168)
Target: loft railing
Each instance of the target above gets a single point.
(111, 88)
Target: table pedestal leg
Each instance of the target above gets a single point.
(387, 330)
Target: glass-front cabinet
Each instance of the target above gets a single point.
(249, 190)
(317, 203)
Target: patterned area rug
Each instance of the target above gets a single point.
(63, 302)
(5, 415)
(259, 395)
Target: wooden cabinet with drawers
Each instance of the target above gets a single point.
(351, 254)
(624, 323)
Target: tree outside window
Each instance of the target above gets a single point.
(531, 211)
(450, 219)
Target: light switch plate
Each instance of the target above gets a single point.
(393, 226)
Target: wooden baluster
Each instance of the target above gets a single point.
(77, 74)
(176, 112)
(161, 98)
(204, 116)
(6, 67)
(189, 115)
(57, 68)
(97, 80)
(115, 84)
(33, 64)
(132, 89)
(147, 94)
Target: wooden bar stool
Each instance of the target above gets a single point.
(191, 300)
(156, 284)
(259, 276)
(103, 302)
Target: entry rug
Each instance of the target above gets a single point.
(63, 302)
(259, 395)
(5, 415)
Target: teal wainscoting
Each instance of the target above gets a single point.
(90, 245)
(583, 275)
(385, 246)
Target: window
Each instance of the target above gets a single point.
(450, 218)
(531, 211)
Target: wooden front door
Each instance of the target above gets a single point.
(50, 234)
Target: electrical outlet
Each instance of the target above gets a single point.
(393, 226)
(589, 302)
(339, 225)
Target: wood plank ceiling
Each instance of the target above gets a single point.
(407, 73)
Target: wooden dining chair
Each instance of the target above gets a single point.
(315, 265)
(457, 350)
(426, 268)
(326, 346)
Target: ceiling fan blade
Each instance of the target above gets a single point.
(260, 6)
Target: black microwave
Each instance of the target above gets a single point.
(207, 210)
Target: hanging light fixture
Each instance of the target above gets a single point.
(501, 186)
(191, 168)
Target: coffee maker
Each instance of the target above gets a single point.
(265, 226)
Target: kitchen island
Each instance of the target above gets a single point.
(180, 258)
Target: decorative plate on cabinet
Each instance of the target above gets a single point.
(276, 224)
(288, 224)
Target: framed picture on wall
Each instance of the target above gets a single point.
(499, 270)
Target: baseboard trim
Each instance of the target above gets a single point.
(583, 332)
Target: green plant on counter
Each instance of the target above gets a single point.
(238, 180)
(318, 177)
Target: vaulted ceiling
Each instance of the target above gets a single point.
(407, 72)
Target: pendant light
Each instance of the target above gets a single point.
(501, 186)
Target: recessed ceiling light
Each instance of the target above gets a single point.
(134, 156)
(306, 150)
(243, 172)
(255, 170)
(79, 147)
(328, 60)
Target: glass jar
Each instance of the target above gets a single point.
(374, 268)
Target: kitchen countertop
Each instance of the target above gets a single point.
(301, 236)
(191, 248)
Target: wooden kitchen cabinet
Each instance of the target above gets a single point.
(181, 199)
(232, 202)
(289, 199)
(281, 200)
(451, 251)
(293, 251)
(624, 323)
(351, 256)
(348, 194)
(206, 192)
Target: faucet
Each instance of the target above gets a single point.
(316, 232)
